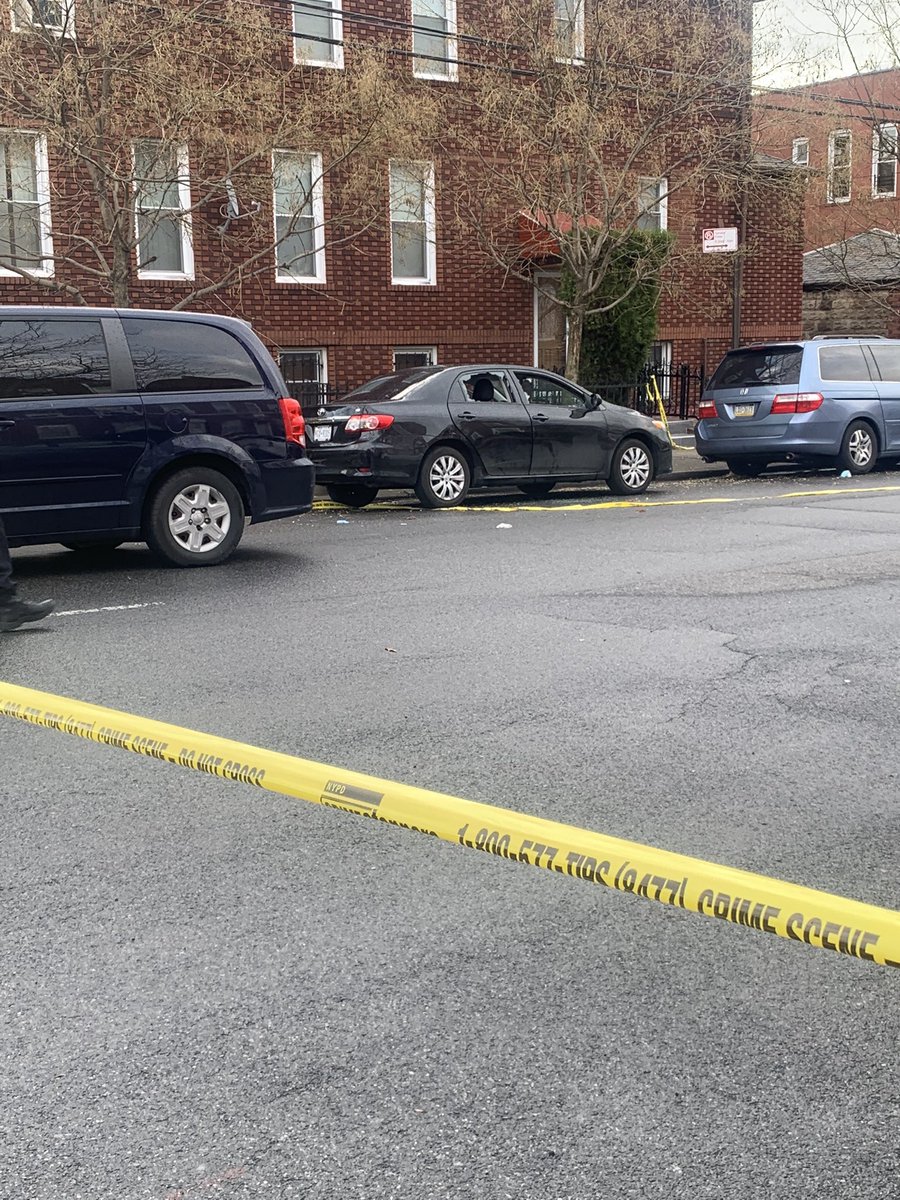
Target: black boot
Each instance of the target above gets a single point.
(15, 612)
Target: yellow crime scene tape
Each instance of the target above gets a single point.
(654, 396)
(798, 913)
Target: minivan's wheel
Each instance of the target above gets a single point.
(195, 518)
(632, 468)
(747, 468)
(351, 495)
(859, 449)
(444, 478)
(538, 489)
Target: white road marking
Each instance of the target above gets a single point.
(82, 612)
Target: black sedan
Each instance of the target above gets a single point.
(444, 430)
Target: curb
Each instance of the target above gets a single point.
(706, 473)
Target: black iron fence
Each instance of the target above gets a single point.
(679, 388)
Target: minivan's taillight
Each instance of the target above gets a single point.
(367, 422)
(707, 410)
(802, 402)
(294, 425)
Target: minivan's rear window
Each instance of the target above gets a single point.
(759, 366)
(187, 356)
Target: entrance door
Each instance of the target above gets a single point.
(68, 441)
(549, 324)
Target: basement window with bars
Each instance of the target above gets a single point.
(414, 356)
(884, 160)
(840, 152)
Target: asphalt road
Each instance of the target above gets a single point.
(215, 991)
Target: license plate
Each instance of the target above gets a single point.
(322, 433)
(744, 410)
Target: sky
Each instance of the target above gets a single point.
(796, 43)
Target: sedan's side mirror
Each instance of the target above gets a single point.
(594, 402)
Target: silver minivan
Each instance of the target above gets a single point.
(830, 401)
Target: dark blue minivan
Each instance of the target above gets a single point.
(121, 425)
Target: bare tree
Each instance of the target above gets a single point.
(587, 125)
(164, 129)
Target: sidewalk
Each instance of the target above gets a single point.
(686, 463)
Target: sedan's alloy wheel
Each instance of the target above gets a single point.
(635, 466)
(447, 477)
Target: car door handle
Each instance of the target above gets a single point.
(540, 417)
(6, 424)
(467, 416)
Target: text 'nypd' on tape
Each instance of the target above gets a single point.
(798, 913)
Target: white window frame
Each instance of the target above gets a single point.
(451, 75)
(576, 59)
(431, 351)
(430, 277)
(318, 214)
(22, 19)
(183, 182)
(337, 34)
(878, 158)
(660, 209)
(832, 138)
(42, 180)
(796, 146)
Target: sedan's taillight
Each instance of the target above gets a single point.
(368, 422)
(802, 402)
(707, 410)
(294, 424)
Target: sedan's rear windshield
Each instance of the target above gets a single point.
(759, 366)
(389, 387)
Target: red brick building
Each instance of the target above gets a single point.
(410, 288)
(844, 135)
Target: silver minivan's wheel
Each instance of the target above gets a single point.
(444, 478)
(632, 468)
(859, 448)
(195, 518)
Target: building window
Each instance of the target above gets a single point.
(319, 33)
(884, 160)
(162, 211)
(434, 39)
(412, 222)
(49, 16)
(652, 203)
(800, 152)
(299, 217)
(414, 356)
(305, 372)
(25, 241)
(840, 147)
(568, 30)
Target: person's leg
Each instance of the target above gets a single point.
(13, 611)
